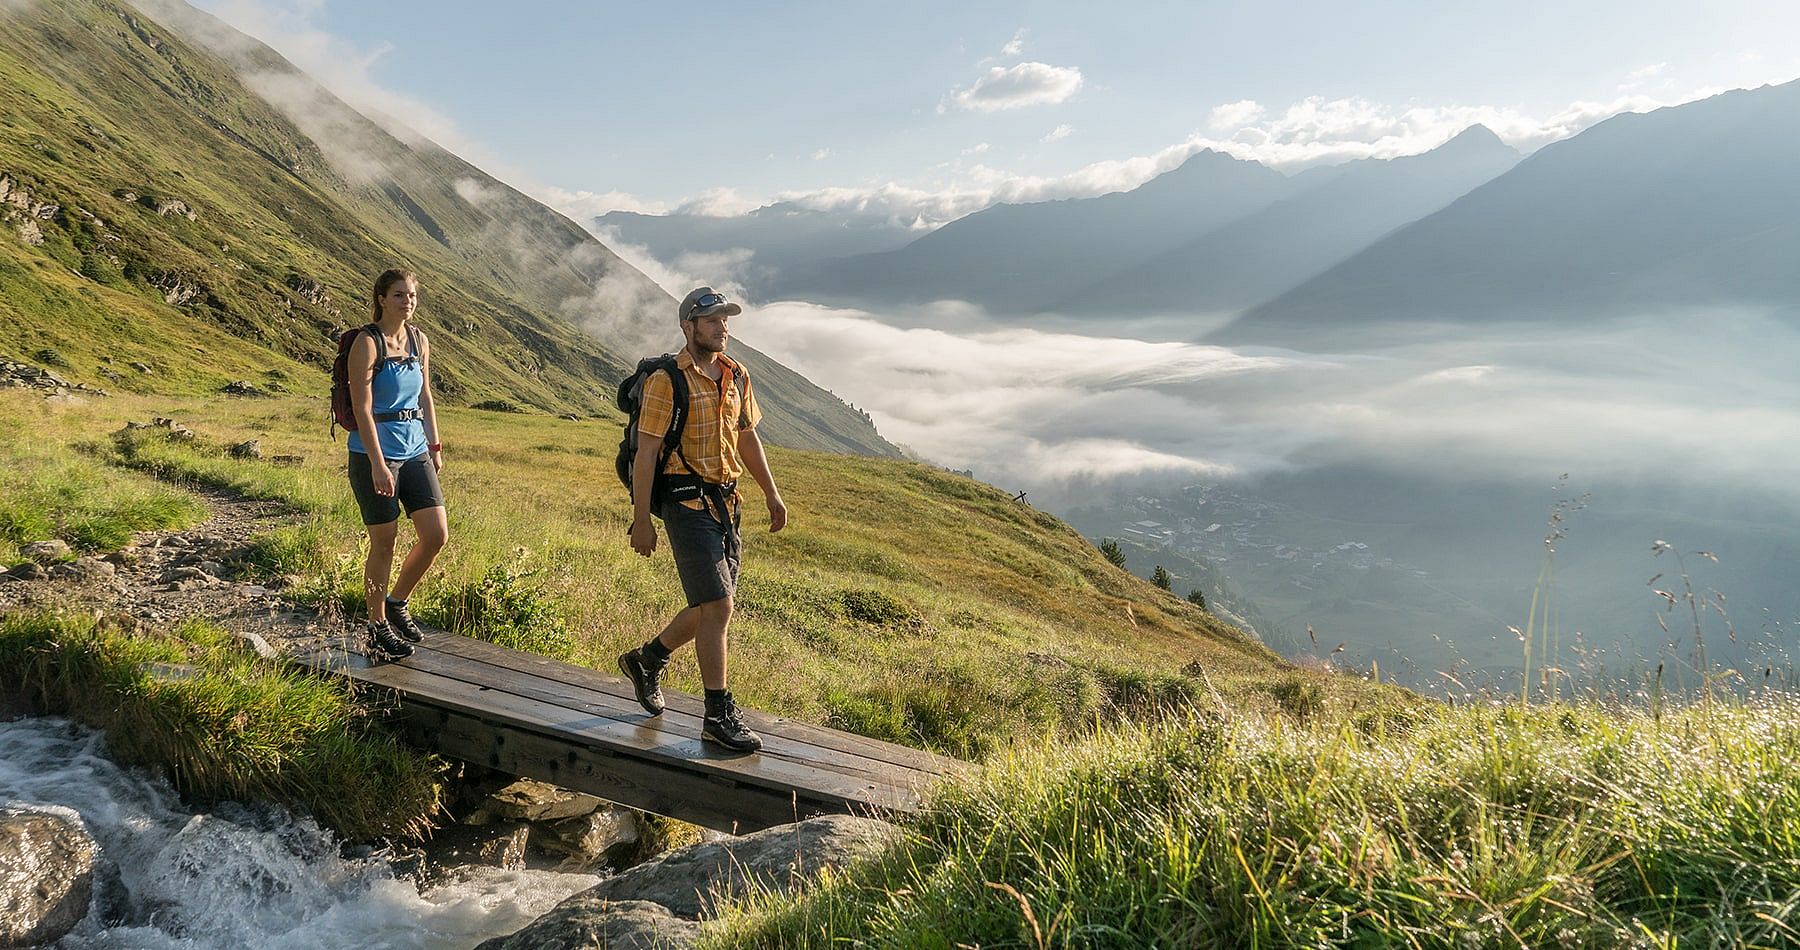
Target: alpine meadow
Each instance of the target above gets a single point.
(1195, 532)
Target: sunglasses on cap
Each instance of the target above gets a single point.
(706, 301)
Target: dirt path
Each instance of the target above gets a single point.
(164, 577)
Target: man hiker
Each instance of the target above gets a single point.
(699, 506)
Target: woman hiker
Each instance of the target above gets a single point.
(390, 393)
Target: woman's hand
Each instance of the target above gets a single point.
(437, 458)
(382, 476)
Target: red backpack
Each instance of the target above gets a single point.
(342, 415)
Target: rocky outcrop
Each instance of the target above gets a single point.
(48, 863)
(659, 903)
(22, 209)
(24, 375)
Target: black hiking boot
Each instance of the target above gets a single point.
(644, 674)
(723, 726)
(384, 643)
(403, 623)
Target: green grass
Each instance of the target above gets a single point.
(222, 723)
(903, 602)
(1491, 827)
(49, 490)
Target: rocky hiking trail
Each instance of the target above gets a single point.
(165, 577)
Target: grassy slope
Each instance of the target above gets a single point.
(107, 115)
(903, 602)
(1475, 827)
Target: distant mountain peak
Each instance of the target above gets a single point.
(1476, 137)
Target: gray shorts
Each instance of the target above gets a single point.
(415, 486)
(706, 552)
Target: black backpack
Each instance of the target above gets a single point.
(680, 486)
(631, 400)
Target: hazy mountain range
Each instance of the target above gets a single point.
(1690, 205)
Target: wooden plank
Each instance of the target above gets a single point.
(702, 800)
(672, 722)
(623, 739)
(895, 754)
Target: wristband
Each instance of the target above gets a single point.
(435, 447)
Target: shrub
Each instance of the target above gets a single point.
(500, 607)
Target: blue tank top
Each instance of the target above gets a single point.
(397, 384)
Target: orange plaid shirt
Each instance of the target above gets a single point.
(716, 414)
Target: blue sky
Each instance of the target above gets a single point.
(942, 107)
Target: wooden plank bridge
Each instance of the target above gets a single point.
(581, 729)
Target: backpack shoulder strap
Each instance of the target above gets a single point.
(374, 330)
(413, 334)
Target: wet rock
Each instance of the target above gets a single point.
(44, 552)
(608, 836)
(47, 867)
(246, 450)
(781, 858)
(529, 800)
(500, 845)
(619, 925)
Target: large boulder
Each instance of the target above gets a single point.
(684, 885)
(47, 868)
(620, 925)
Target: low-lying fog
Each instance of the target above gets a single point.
(1445, 452)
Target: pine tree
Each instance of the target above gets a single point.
(1161, 578)
(1197, 598)
(1109, 549)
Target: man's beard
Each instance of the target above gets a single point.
(701, 346)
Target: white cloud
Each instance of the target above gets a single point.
(1053, 411)
(1234, 115)
(980, 148)
(722, 202)
(821, 154)
(1016, 45)
(584, 206)
(1013, 87)
(1059, 133)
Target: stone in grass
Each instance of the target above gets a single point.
(28, 571)
(44, 552)
(47, 870)
(247, 450)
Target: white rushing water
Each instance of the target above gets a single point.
(246, 876)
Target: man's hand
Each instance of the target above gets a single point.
(382, 476)
(643, 536)
(777, 514)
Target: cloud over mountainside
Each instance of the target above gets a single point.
(1058, 411)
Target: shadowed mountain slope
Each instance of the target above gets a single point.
(1337, 211)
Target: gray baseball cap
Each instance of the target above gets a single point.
(705, 302)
